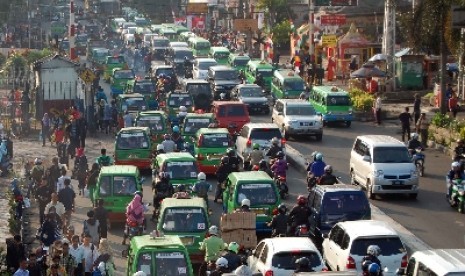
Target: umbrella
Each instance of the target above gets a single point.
(367, 71)
(379, 57)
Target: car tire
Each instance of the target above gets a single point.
(352, 178)
(319, 137)
(413, 196)
(369, 190)
(348, 123)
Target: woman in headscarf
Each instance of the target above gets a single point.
(105, 261)
(45, 128)
(134, 213)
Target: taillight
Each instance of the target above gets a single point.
(132, 224)
(350, 264)
(199, 144)
(283, 141)
(303, 230)
(249, 143)
(324, 269)
(404, 261)
(200, 156)
(269, 273)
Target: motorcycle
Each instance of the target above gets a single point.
(457, 196)
(301, 230)
(282, 186)
(419, 160)
(133, 229)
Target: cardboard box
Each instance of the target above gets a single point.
(246, 238)
(235, 221)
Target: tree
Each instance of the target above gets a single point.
(275, 10)
(282, 32)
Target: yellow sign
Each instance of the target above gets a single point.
(87, 76)
(243, 25)
(197, 8)
(329, 40)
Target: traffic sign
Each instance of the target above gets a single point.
(329, 40)
(333, 19)
(197, 8)
(87, 76)
(244, 25)
(335, 3)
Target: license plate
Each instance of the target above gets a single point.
(306, 124)
(259, 211)
(397, 182)
(187, 240)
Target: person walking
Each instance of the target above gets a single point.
(67, 196)
(91, 227)
(46, 123)
(454, 105)
(14, 251)
(77, 251)
(22, 270)
(92, 180)
(104, 261)
(405, 118)
(67, 261)
(43, 196)
(90, 254)
(101, 214)
(416, 107)
(422, 128)
(377, 105)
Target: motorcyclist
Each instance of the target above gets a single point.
(161, 190)
(100, 95)
(456, 173)
(202, 187)
(303, 265)
(177, 139)
(233, 160)
(263, 166)
(242, 76)
(160, 149)
(260, 81)
(212, 245)
(298, 215)
(279, 167)
(413, 143)
(187, 64)
(274, 149)
(181, 193)
(224, 169)
(221, 266)
(168, 144)
(459, 150)
(134, 213)
(317, 168)
(328, 178)
(245, 206)
(234, 260)
(371, 258)
(254, 156)
(182, 113)
(279, 222)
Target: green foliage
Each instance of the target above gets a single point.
(282, 32)
(33, 56)
(441, 120)
(361, 100)
(277, 9)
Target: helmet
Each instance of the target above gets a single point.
(373, 250)
(186, 58)
(230, 152)
(256, 146)
(38, 161)
(455, 165)
(224, 160)
(275, 141)
(303, 262)
(280, 155)
(282, 208)
(262, 163)
(245, 202)
(318, 156)
(414, 136)
(138, 193)
(222, 95)
(202, 176)
(374, 268)
(222, 262)
(162, 75)
(160, 147)
(182, 108)
(213, 230)
(181, 188)
(140, 273)
(176, 129)
(233, 246)
(167, 137)
(328, 168)
(301, 200)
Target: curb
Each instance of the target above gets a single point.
(411, 242)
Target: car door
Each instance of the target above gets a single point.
(253, 259)
(278, 113)
(262, 260)
(315, 215)
(330, 249)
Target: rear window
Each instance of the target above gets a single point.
(265, 133)
(286, 260)
(123, 74)
(178, 100)
(339, 100)
(232, 111)
(160, 43)
(215, 140)
(258, 194)
(115, 60)
(388, 245)
(338, 203)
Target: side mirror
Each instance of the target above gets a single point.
(125, 253)
(325, 236)
(367, 158)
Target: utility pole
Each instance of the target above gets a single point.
(311, 15)
(389, 39)
(72, 30)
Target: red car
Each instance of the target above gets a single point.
(230, 115)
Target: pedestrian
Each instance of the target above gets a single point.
(43, 196)
(405, 118)
(377, 105)
(91, 227)
(105, 262)
(77, 251)
(48, 233)
(60, 141)
(22, 269)
(59, 207)
(92, 181)
(107, 115)
(453, 105)
(73, 133)
(416, 107)
(67, 197)
(422, 129)
(101, 214)
(81, 167)
(54, 172)
(449, 91)
(55, 267)
(69, 234)
(14, 252)
(34, 267)
(61, 180)
(67, 260)
(90, 254)
(82, 125)
(46, 123)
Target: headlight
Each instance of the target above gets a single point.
(219, 87)
(291, 122)
(461, 192)
(378, 173)
(414, 173)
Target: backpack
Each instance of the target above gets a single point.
(105, 160)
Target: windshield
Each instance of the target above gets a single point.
(181, 169)
(166, 71)
(286, 260)
(266, 73)
(160, 43)
(391, 155)
(221, 55)
(166, 264)
(343, 203)
(178, 100)
(191, 125)
(184, 219)
(195, 89)
(155, 123)
(294, 85)
(115, 60)
(215, 140)
(339, 100)
(81, 38)
(123, 74)
(124, 185)
(258, 194)
(240, 62)
(231, 111)
(265, 133)
(300, 110)
(202, 45)
(133, 104)
(388, 245)
(226, 75)
(206, 65)
(101, 53)
(134, 140)
(182, 54)
(254, 92)
(144, 87)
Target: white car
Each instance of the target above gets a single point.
(178, 44)
(347, 244)
(129, 39)
(259, 133)
(277, 256)
(201, 66)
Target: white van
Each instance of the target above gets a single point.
(382, 165)
(437, 262)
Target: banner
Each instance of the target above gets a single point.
(198, 22)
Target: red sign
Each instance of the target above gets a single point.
(333, 20)
(198, 23)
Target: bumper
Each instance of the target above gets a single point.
(338, 117)
(140, 164)
(207, 169)
(387, 186)
(304, 131)
(116, 217)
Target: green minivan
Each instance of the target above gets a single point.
(119, 79)
(155, 255)
(259, 188)
(181, 167)
(189, 220)
(220, 54)
(286, 84)
(238, 61)
(116, 185)
(333, 103)
(255, 67)
(133, 147)
(176, 99)
(200, 46)
(169, 33)
(193, 122)
(210, 144)
(112, 62)
(157, 121)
